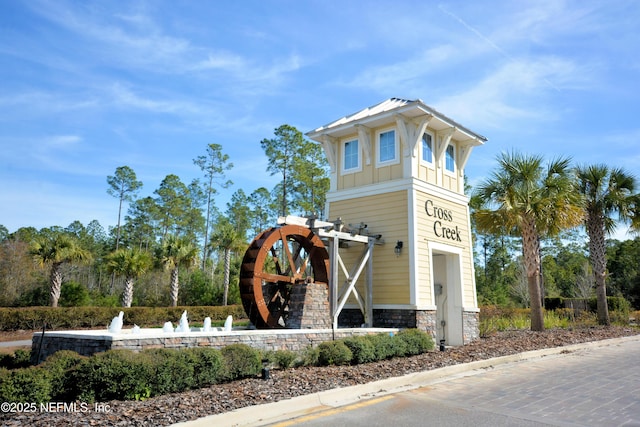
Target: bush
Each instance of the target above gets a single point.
(415, 341)
(73, 294)
(19, 359)
(27, 385)
(553, 303)
(386, 346)
(334, 353)
(173, 371)
(310, 356)
(282, 359)
(241, 361)
(59, 365)
(114, 374)
(30, 318)
(613, 304)
(208, 366)
(362, 349)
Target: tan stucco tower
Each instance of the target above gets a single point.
(398, 167)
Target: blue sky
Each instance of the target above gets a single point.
(89, 86)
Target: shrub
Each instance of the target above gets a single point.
(553, 303)
(19, 359)
(386, 346)
(282, 359)
(362, 349)
(114, 374)
(74, 294)
(241, 361)
(31, 318)
(310, 356)
(613, 304)
(334, 353)
(173, 371)
(59, 366)
(208, 366)
(28, 385)
(416, 341)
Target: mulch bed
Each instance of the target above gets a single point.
(286, 384)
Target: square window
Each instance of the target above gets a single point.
(387, 146)
(427, 148)
(351, 155)
(450, 160)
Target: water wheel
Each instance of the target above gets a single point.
(278, 259)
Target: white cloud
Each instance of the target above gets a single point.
(514, 91)
(62, 141)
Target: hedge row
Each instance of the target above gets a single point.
(30, 318)
(372, 348)
(126, 375)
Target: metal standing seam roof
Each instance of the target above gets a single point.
(390, 105)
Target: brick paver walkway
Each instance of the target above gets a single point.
(592, 387)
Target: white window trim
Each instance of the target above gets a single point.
(432, 163)
(396, 154)
(356, 169)
(455, 163)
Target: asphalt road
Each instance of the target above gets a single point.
(588, 387)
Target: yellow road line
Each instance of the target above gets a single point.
(333, 411)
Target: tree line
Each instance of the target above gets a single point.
(540, 230)
(159, 239)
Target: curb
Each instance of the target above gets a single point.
(288, 409)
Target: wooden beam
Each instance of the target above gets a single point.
(330, 146)
(446, 140)
(465, 152)
(411, 131)
(364, 135)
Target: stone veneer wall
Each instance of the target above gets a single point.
(470, 326)
(276, 339)
(392, 318)
(424, 320)
(309, 307)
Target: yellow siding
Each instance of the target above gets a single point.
(385, 214)
(427, 173)
(430, 228)
(370, 173)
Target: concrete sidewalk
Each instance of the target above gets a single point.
(22, 343)
(304, 405)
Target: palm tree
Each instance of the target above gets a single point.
(130, 263)
(607, 192)
(635, 218)
(177, 252)
(228, 239)
(526, 198)
(55, 250)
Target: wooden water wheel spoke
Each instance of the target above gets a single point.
(277, 260)
(276, 278)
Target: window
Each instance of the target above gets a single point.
(427, 148)
(450, 160)
(387, 147)
(351, 156)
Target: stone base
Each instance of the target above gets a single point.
(470, 326)
(87, 343)
(424, 320)
(391, 318)
(309, 307)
